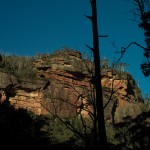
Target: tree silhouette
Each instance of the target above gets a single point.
(99, 129)
(134, 133)
(20, 129)
(143, 11)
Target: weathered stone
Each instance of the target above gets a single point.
(2, 96)
(32, 85)
(62, 79)
(7, 80)
(70, 77)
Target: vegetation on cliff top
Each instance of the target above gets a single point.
(23, 66)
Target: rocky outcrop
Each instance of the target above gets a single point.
(71, 76)
(7, 80)
(124, 95)
(64, 87)
(22, 94)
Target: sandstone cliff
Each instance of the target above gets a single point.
(22, 94)
(64, 81)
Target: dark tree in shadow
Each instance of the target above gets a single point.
(99, 127)
(134, 133)
(21, 130)
(143, 10)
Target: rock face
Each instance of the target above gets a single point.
(68, 76)
(71, 77)
(22, 94)
(64, 87)
(124, 95)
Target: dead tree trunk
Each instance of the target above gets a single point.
(101, 139)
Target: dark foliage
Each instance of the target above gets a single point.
(18, 130)
(145, 67)
(134, 133)
(145, 24)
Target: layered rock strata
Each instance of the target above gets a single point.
(64, 87)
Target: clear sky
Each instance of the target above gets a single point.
(28, 27)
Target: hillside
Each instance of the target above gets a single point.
(58, 83)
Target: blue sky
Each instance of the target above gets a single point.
(28, 27)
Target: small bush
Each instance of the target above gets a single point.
(21, 67)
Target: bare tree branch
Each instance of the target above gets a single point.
(103, 36)
(89, 17)
(90, 47)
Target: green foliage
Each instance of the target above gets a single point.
(21, 67)
(111, 132)
(29, 128)
(31, 131)
(146, 105)
(58, 131)
(66, 131)
(131, 134)
(143, 12)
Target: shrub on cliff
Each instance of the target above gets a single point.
(21, 67)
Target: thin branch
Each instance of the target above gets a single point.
(112, 92)
(92, 49)
(68, 125)
(135, 20)
(88, 17)
(103, 36)
(123, 50)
